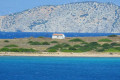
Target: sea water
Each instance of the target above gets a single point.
(59, 68)
(11, 35)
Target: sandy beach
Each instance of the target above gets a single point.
(60, 54)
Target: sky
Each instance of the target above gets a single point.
(13, 6)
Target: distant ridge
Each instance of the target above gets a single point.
(81, 17)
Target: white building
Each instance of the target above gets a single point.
(58, 36)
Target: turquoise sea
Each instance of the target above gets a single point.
(59, 68)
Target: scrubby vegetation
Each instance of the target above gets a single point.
(34, 43)
(38, 43)
(76, 48)
(112, 36)
(105, 40)
(40, 37)
(11, 45)
(52, 50)
(92, 46)
(76, 40)
(99, 44)
(6, 41)
(45, 43)
(17, 50)
(115, 44)
(59, 46)
(54, 42)
(115, 49)
(72, 48)
(64, 45)
(107, 46)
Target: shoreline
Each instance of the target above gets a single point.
(61, 54)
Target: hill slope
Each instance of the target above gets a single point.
(86, 17)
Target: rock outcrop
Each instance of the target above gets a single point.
(85, 17)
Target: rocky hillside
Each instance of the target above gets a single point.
(85, 17)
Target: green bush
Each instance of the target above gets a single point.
(40, 37)
(85, 48)
(112, 36)
(94, 44)
(45, 43)
(58, 46)
(67, 50)
(26, 50)
(84, 43)
(12, 45)
(65, 45)
(4, 50)
(17, 50)
(30, 41)
(106, 46)
(72, 48)
(54, 42)
(105, 40)
(77, 46)
(76, 40)
(115, 44)
(116, 49)
(100, 50)
(34, 43)
(6, 41)
(38, 43)
(90, 46)
(52, 50)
